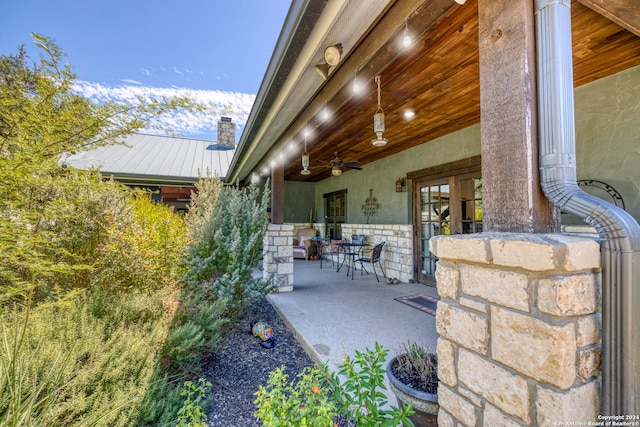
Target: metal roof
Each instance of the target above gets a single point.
(153, 159)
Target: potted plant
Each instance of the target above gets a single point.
(413, 377)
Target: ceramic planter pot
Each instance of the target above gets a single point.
(425, 404)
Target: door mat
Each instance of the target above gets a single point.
(422, 302)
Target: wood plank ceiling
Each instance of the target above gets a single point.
(439, 80)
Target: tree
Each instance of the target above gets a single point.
(47, 211)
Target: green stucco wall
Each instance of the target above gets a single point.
(608, 134)
(299, 198)
(607, 149)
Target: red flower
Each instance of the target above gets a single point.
(315, 389)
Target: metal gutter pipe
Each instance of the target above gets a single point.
(619, 232)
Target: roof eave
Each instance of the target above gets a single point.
(299, 23)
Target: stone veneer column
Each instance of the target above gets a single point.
(519, 325)
(278, 257)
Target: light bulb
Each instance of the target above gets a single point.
(406, 39)
(356, 86)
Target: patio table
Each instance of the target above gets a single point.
(350, 251)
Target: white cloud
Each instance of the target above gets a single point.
(175, 70)
(146, 72)
(133, 82)
(194, 125)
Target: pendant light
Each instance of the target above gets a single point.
(378, 122)
(305, 157)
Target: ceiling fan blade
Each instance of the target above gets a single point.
(352, 167)
(353, 162)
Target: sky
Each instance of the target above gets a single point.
(216, 50)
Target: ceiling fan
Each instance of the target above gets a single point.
(336, 165)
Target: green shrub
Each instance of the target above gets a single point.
(109, 361)
(360, 397)
(50, 215)
(142, 249)
(191, 413)
(228, 234)
(305, 402)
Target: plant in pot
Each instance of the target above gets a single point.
(413, 377)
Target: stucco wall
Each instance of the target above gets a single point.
(608, 134)
(299, 198)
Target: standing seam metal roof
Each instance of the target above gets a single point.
(156, 156)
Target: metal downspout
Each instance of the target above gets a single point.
(619, 232)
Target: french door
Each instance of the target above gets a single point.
(335, 207)
(444, 206)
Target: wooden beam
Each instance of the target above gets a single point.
(277, 193)
(625, 13)
(512, 197)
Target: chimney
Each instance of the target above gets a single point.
(226, 133)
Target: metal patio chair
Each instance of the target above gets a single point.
(335, 250)
(373, 259)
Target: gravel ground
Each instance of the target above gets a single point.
(240, 365)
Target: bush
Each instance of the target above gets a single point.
(87, 368)
(143, 246)
(360, 397)
(305, 402)
(228, 226)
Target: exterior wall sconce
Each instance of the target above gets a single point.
(400, 185)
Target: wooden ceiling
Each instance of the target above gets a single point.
(439, 80)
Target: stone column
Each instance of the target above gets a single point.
(519, 324)
(278, 257)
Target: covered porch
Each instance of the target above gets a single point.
(471, 108)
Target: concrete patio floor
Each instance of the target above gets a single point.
(334, 315)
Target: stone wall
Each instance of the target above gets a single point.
(397, 253)
(277, 260)
(519, 324)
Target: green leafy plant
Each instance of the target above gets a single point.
(305, 402)
(23, 398)
(192, 414)
(228, 235)
(142, 247)
(360, 396)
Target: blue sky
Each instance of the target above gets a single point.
(219, 50)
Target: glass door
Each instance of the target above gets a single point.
(470, 215)
(434, 219)
(335, 209)
(444, 206)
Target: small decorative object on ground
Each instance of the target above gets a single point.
(413, 376)
(263, 331)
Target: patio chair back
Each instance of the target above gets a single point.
(376, 252)
(335, 249)
(373, 259)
